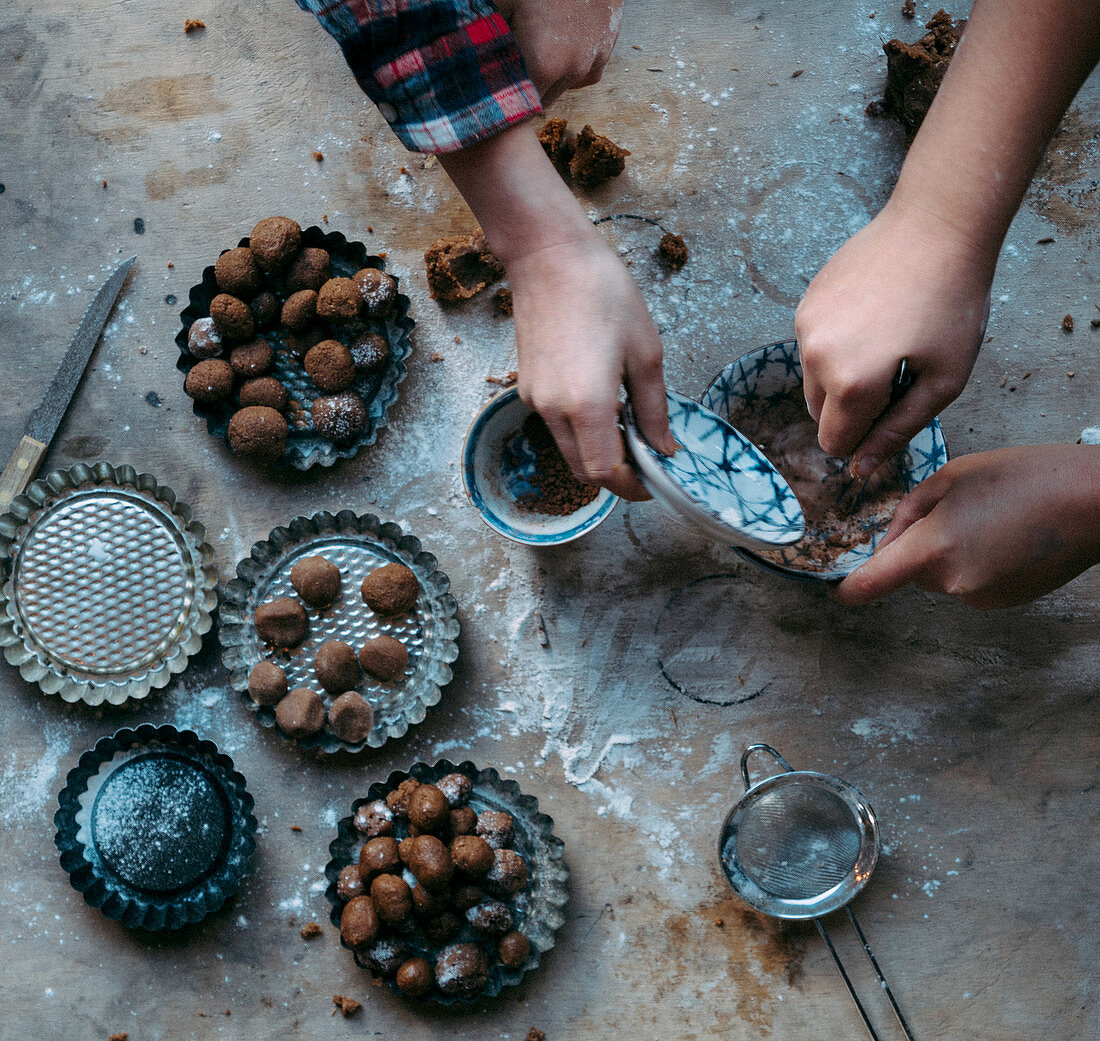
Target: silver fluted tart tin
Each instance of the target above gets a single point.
(356, 544)
(538, 911)
(96, 876)
(108, 584)
(305, 447)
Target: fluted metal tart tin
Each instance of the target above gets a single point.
(538, 910)
(108, 584)
(155, 827)
(356, 544)
(305, 447)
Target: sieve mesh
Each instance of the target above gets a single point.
(798, 841)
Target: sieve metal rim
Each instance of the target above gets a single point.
(31, 657)
(864, 820)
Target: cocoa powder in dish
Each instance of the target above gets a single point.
(556, 491)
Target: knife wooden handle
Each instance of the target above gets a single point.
(20, 470)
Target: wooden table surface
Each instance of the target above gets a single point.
(974, 735)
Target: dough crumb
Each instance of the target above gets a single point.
(914, 72)
(1067, 324)
(460, 267)
(909, 9)
(672, 251)
(349, 1006)
(310, 931)
(596, 159)
(502, 303)
(193, 25)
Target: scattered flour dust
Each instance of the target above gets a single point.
(29, 777)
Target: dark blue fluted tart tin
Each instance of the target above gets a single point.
(155, 827)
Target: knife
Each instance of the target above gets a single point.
(46, 418)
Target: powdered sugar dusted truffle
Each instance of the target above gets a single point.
(373, 818)
(456, 789)
(203, 339)
(369, 352)
(495, 827)
(378, 291)
(339, 417)
(461, 969)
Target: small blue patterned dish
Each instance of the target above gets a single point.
(770, 374)
(718, 480)
(498, 465)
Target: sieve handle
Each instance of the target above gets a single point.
(761, 747)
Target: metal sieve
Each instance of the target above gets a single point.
(798, 845)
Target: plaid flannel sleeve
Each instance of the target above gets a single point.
(443, 73)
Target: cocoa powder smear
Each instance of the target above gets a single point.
(557, 492)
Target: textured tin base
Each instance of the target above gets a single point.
(538, 911)
(110, 584)
(356, 545)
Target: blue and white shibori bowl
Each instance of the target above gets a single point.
(772, 372)
(497, 467)
(717, 480)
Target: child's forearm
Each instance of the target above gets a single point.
(517, 196)
(1017, 68)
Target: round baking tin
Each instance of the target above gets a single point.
(538, 911)
(108, 584)
(155, 827)
(356, 544)
(305, 447)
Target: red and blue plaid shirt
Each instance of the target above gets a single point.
(443, 73)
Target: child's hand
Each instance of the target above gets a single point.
(565, 43)
(582, 329)
(906, 286)
(994, 529)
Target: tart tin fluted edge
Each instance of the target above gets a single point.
(160, 527)
(105, 890)
(542, 908)
(431, 638)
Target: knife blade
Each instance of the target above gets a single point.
(47, 416)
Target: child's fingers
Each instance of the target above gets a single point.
(917, 504)
(892, 431)
(602, 458)
(645, 383)
(903, 560)
(846, 416)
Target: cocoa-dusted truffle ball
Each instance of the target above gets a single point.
(385, 658)
(339, 300)
(427, 903)
(253, 358)
(456, 789)
(464, 897)
(370, 352)
(335, 666)
(339, 417)
(490, 917)
(359, 922)
(398, 799)
(267, 683)
(236, 272)
(404, 849)
(233, 317)
(310, 269)
(300, 713)
(373, 818)
(472, 855)
(300, 310)
(379, 857)
(265, 309)
(495, 827)
(274, 242)
(461, 969)
(392, 899)
(513, 949)
(263, 390)
(430, 862)
(258, 432)
(281, 622)
(441, 929)
(209, 381)
(463, 821)
(316, 580)
(299, 343)
(330, 366)
(390, 589)
(414, 978)
(350, 717)
(203, 338)
(377, 289)
(508, 875)
(428, 808)
(349, 883)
